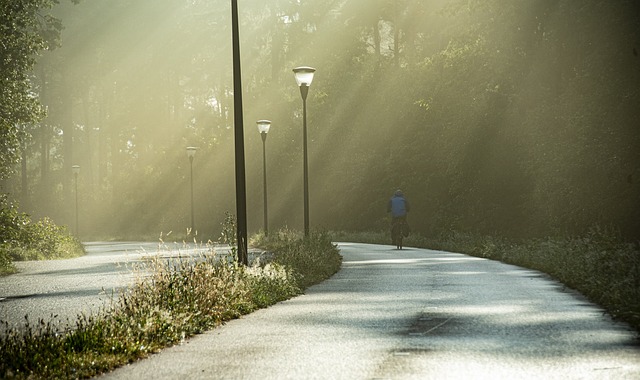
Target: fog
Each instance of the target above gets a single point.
(512, 118)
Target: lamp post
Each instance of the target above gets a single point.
(191, 152)
(76, 170)
(263, 128)
(304, 77)
(238, 125)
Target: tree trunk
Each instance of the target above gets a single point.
(66, 123)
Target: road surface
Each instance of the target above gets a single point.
(387, 314)
(411, 314)
(66, 288)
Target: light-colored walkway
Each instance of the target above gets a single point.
(411, 314)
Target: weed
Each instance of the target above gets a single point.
(170, 300)
(314, 257)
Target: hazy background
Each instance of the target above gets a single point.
(514, 118)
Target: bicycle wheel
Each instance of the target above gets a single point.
(396, 235)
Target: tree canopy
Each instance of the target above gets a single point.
(26, 32)
(510, 118)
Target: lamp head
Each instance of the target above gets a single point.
(304, 75)
(263, 126)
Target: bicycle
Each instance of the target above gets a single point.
(398, 228)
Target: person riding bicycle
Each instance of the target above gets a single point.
(398, 206)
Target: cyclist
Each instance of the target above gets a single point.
(398, 206)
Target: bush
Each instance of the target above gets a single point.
(314, 258)
(22, 239)
(6, 264)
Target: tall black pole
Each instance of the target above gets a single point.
(304, 90)
(264, 181)
(241, 186)
(77, 224)
(193, 224)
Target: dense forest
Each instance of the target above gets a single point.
(512, 118)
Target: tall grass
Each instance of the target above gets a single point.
(599, 264)
(170, 301)
(315, 257)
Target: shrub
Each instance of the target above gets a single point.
(314, 258)
(22, 239)
(6, 264)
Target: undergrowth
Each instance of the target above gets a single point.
(171, 300)
(314, 257)
(21, 238)
(599, 264)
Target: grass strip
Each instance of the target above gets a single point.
(170, 301)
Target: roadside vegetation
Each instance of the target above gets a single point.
(314, 258)
(170, 301)
(599, 264)
(21, 238)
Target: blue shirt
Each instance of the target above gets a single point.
(398, 206)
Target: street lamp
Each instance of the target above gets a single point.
(304, 77)
(263, 128)
(238, 126)
(76, 170)
(191, 152)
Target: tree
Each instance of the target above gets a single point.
(485, 112)
(26, 31)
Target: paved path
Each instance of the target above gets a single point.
(411, 314)
(66, 288)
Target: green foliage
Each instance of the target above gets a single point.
(11, 226)
(23, 239)
(314, 258)
(26, 31)
(6, 263)
(484, 112)
(44, 240)
(170, 301)
(272, 283)
(228, 235)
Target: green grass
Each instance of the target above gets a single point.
(170, 301)
(599, 264)
(315, 258)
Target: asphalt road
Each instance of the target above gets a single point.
(387, 314)
(411, 314)
(63, 289)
